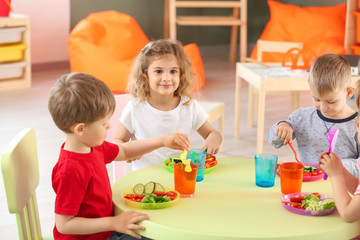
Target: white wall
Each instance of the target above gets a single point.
(50, 26)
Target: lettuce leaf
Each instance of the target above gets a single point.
(315, 203)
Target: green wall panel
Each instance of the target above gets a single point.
(149, 15)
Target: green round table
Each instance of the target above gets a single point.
(228, 205)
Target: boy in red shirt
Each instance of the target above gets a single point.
(81, 106)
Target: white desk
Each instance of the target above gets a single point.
(265, 81)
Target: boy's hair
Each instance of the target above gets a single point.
(79, 98)
(138, 79)
(357, 95)
(330, 73)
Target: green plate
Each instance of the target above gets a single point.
(150, 205)
(171, 169)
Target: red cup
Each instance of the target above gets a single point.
(4, 8)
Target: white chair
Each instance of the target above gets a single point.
(236, 20)
(272, 47)
(20, 170)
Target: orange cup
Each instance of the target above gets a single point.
(185, 181)
(291, 175)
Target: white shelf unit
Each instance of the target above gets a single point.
(18, 20)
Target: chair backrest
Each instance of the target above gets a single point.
(20, 170)
(119, 167)
(275, 47)
(237, 19)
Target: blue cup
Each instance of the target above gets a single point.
(198, 157)
(265, 169)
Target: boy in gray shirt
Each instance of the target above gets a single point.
(330, 86)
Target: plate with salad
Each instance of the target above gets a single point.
(312, 172)
(309, 203)
(210, 163)
(151, 195)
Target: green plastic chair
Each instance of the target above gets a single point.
(20, 170)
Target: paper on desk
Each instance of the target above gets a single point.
(284, 72)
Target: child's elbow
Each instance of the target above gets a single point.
(349, 217)
(60, 228)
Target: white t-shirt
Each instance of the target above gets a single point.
(144, 121)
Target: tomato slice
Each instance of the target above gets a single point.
(136, 200)
(317, 172)
(135, 196)
(317, 194)
(157, 193)
(295, 205)
(171, 194)
(209, 164)
(297, 199)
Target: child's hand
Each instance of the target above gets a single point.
(211, 148)
(177, 141)
(134, 159)
(125, 222)
(284, 131)
(331, 163)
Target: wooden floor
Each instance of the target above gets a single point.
(28, 108)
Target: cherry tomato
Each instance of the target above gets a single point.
(307, 174)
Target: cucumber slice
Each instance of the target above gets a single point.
(149, 187)
(159, 187)
(139, 188)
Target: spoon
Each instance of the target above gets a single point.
(332, 136)
(295, 154)
(186, 161)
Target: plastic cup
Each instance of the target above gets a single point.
(265, 169)
(198, 157)
(185, 181)
(291, 175)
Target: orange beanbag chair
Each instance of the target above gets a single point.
(105, 45)
(321, 29)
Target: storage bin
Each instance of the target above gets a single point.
(11, 35)
(12, 70)
(4, 8)
(12, 52)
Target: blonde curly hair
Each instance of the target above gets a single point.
(138, 80)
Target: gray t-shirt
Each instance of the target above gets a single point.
(310, 129)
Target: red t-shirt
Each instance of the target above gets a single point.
(82, 186)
